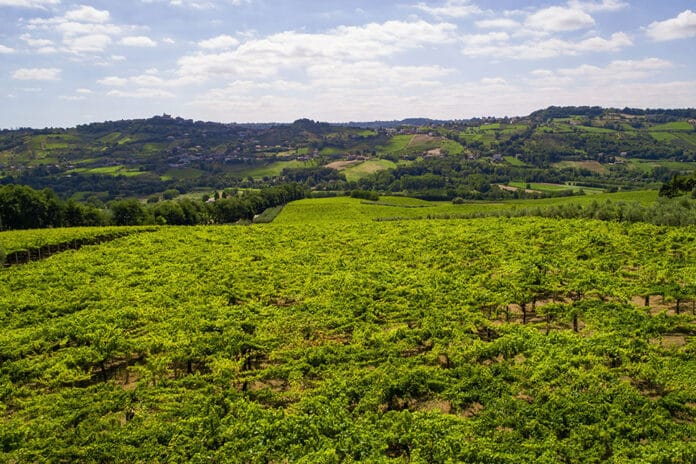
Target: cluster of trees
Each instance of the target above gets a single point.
(22, 207)
(447, 178)
(369, 195)
(225, 210)
(542, 149)
(312, 176)
(108, 187)
(594, 111)
(679, 185)
(553, 112)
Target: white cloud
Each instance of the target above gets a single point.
(150, 79)
(147, 80)
(496, 45)
(92, 43)
(140, 93)
(71, 28)
(603, 5)
(138, 41)
(332, 91)
(193, 4)
(221, 42)
(499, 23)
(618, 70)
(494, 81)
(267, 56)
(83, 31)
(451, 8)
(36, 43)
(475, 41)
(83, 91)
(37, 74)
(200, 5)
(681, 27)
(4, 50)
(244, 88)
(347, 77)
(615, 42)
(72, 97)
(618, 94)
(29, 3)
(544, 23)
(557, 19)
(87, 14)
(247, 101)
(113, 81)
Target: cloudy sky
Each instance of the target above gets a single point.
(63, 63)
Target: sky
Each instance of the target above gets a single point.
(64, 63)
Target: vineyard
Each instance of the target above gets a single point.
(28, 245)
(330, 336)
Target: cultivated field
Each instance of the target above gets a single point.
(329, 336)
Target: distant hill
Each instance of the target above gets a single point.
(145, 156)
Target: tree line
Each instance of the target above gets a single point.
(664, 212)
(22, 207)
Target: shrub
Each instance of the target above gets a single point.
(365, 194)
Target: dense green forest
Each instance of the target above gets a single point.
(331, 336)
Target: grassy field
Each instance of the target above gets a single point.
(405, 145)
(329, 151)
(648, 165)
(182, 173)
(345, 209)
(594, 166)
(269, 169)
(452, 147)
(672, 126)
(595, 130)
(268, 215)
(687, 137)
(110, 171)
(513, 128)
(396, 144)
(486, 137)
(514, 161)
(150, 149)
(356, 172)
(664, 136)
(543, 187)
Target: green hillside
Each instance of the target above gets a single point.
(330, 336)
(593, 147)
